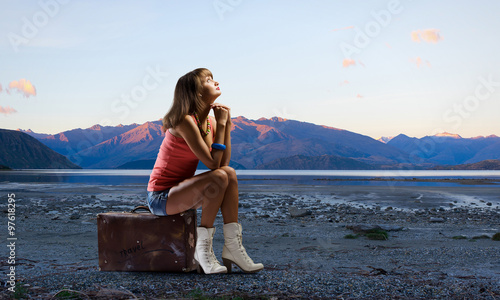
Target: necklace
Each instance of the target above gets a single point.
(199, 125)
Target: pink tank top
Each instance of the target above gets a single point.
(175, 163)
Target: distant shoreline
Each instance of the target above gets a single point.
(302, 177)
(464, 181)
(471, 181)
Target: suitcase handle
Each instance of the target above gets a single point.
(140, 207)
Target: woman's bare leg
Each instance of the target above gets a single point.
(206, 190)
(229, 206)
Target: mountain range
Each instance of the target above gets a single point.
(274, 143)
(489, 164)
(21, 151)
(448, 149)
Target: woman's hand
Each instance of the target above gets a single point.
(221, 112)
(220, 105)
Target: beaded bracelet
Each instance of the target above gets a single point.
(218, 146)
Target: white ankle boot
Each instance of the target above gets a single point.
(234, 252)
(204, 253)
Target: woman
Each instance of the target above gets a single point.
(192, 135)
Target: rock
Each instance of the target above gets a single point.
(482, 236)
(436, 220)
(298, 212)
(74, 216)
(363, 228)
(391, 227)
(489, 204)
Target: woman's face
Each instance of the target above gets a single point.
(211, 89)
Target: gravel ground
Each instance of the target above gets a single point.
(436, 247)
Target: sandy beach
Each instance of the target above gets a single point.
(439, 243)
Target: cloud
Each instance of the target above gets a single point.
(419, 61)
(344, 28)
(24, 87)
(348, 62)
(426, 35)
(414, 36)
(0, 88)
(359, 96)
(7, 110)
(344, 82)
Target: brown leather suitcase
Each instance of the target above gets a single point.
(133, 241)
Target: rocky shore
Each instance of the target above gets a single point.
(313, 241)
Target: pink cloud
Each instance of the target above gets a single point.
(414, 36)
(348, 62)
(0, 88)
(7, 110)
(24, 87)
(426, 35)
(359, 96)
(388, 45)
(418, 61)
(344, 82)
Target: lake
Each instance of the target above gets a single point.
(307, 177)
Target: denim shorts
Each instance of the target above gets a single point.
(157, 202)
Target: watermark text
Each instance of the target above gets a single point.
(11, 242)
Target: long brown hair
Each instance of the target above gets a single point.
(187, 97)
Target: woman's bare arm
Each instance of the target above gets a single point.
(188, 129)
(226, 157)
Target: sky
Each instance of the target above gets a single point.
(377, 68)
